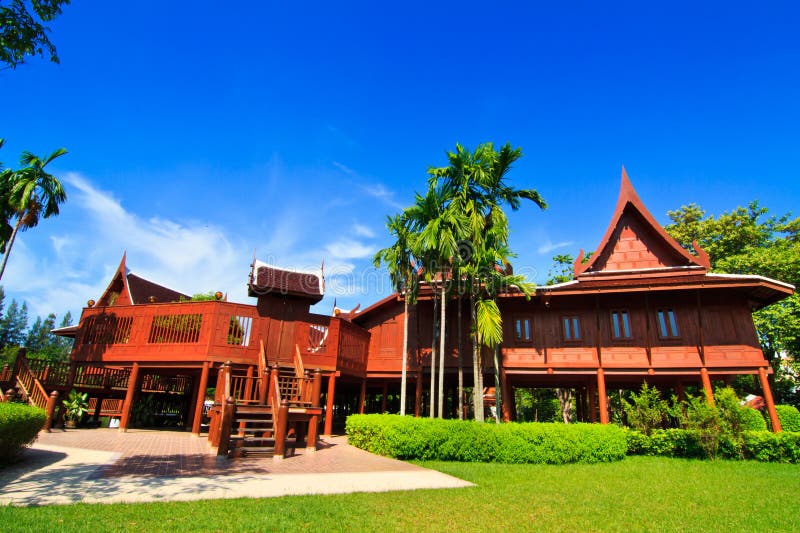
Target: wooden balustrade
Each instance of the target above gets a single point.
(187, 331)
(31, 386)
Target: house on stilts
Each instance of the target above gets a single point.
(641, 308)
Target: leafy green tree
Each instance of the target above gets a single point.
(27, 195)
(749, 240)
(647, 410)
(22, 30)
(14, 325)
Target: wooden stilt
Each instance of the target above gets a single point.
(200, 400)
(52, 401)
(384, 393)
(601, 396)
(707, 386)
(679, 392)
(362, 397)
(505, 394)
(329, 405)
(773, 414)
(133, 379)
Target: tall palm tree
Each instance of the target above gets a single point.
(28, 195)
(476, 182)
(398, 260)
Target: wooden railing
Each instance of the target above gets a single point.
(108, 406)
(31, 387)
(331, 343)
(98, 377)
(189, 330)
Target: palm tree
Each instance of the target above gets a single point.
(476, 182)
(27, 195)
(398, 260)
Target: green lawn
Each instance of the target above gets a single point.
(639, 494)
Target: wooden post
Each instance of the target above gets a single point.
(52, 401)
(313, 423)
(98, 408)
(418, 394)
(362, 396)
(329, 404)
(273, 375)
(200, 401)
(129, 395)
(707, 386)
(505, 393)
(384, 393)
(280, 430)
(601, 394)
(226, 421)
(773, 414)
(592, 391)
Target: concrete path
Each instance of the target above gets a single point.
(148, 466)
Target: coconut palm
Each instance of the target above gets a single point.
(398, 259)
(28, 194)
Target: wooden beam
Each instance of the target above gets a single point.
(329, 405)
(130, 394)
(200, 401)
(773, 414)
(362, 396)
(602, 398)
(707, 386)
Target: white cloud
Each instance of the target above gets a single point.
(549, 246)
(188, 256)
(348, 249)
(363, 231)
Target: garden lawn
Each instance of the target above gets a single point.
(638, 493)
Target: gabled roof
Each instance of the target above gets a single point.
(635, 243)
(127, 288)
(266, 279)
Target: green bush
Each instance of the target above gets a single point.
(773, 447)
(19, 425)
(467, 441)
(753, 420)
(667, 443)
(648, 410)
(789, 417)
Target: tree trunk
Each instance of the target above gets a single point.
(498, 397)
(442, 345)
(9, 245)
(565, 399)
(460, 362)
(404, 374)
(432, 409)
(477, 388)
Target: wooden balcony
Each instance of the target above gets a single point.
(193, 332)
(170, 332)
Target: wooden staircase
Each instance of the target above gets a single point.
(266, 410)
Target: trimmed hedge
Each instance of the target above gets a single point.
(753, 420)
(789, 417)
(19, 425)
(759, 445)
(467, 441)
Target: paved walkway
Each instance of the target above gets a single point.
(105, 466)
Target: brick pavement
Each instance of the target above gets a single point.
(105, 466)
(175, 453)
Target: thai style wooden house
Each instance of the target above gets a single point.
(641, 308)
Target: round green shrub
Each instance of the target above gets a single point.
(789, 417)
(752, 420)
(19, 425)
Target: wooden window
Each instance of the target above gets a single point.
(572, 328)
(667, 324)
(522, 330)
(621, 324)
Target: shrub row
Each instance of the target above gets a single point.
(19, 425)
(759, 445)
(467, 441)
(789, 417)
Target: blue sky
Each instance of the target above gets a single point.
(199, 133)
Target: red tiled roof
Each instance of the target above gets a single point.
(269, 279)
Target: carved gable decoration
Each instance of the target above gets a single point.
(635, 243)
